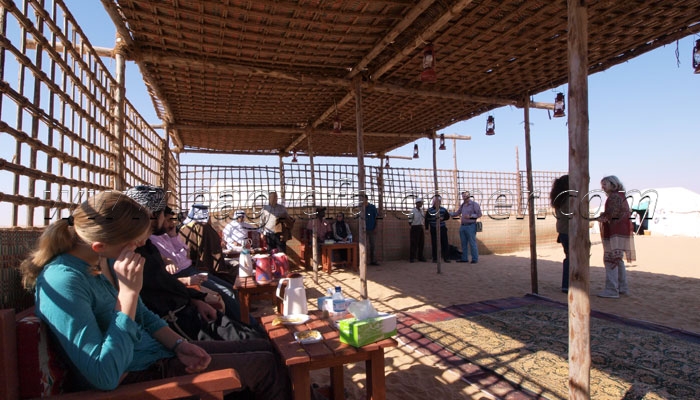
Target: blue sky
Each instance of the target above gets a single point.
(644, 121)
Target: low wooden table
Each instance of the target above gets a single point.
(328, 353)
(327, 254)
(248, 287)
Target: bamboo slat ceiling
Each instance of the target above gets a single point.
(258, 76)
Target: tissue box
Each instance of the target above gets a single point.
(359, 333)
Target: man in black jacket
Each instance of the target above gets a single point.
(184, 308)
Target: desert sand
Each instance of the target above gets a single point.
(664, 288)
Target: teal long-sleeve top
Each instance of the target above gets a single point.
(101, 343)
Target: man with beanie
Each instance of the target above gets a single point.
(184, 309)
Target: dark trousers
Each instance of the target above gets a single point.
(254, 360)
(444, 245)
(274, 241)
(564, 240)
(417, 242)
(371, 243)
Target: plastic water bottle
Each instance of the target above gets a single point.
(338, 301)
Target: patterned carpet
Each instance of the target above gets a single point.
(524, 341)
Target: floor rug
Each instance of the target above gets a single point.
(527, 345)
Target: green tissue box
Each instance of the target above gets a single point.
(359, 333)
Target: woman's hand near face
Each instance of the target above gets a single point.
(128, 269)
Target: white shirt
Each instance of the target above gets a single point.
(235, 234)
(416, 217)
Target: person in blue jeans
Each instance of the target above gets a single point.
(370, 228)
(469, 211)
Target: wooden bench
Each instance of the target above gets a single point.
(14, 362)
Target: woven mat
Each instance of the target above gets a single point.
(527, 345)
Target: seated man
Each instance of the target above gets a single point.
(237, 232)
(178, 263)
(183, 308)
(204, 243)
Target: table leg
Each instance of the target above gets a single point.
(245, 306)
(337, 383)
(326, 260)
(354, 263)
(374, 366)
(301, 382)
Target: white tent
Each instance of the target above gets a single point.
(673, 211)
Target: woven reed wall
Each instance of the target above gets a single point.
(228, 188)
(57, 106)
(503, 198)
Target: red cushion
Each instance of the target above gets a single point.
(41, 372)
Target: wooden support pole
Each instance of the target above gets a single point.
(119, 114)
(530, 200)
(437, 216)
(579, 179)
(314, 239)
(283, 187)
(362, 227)
(455, 171)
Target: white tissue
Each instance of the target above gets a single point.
(362, 310)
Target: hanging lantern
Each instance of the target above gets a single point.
(387, 163)
(490, 126)
(337, 126)
(559, 106)
(428, 74)
(696, 57)
(415, 150)
(294, 156)
(442, 142)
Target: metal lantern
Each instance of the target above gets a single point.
(294, 156)
(696, 57)
(387, 163)
(490, 126)
(428, 74)
(559, 106)
(442, 142)
(415, 150)
(337, 126)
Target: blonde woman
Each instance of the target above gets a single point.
(87, 278)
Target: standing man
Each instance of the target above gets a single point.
(417, 220)
(469, 211)
(370, 225)
(272, 220)
(435, 213)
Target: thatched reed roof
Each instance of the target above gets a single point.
(259, 76)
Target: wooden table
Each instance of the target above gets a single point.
(327, 253)
(329, 353)
(248, 287)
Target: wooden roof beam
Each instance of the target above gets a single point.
(282, 131)
(391, 36)
(403, 53)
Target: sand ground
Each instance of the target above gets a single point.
(664, 288)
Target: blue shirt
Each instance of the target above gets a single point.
(371, 217)
(431, 217)
(100, 342)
